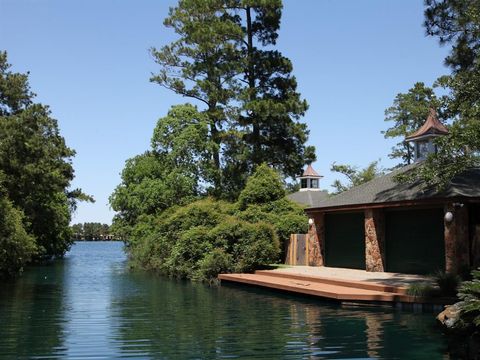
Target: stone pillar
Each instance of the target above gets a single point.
(316, 240)
(449, 234)
(374, 240)
(457, 250)
(463, 238)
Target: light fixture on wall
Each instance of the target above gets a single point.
(448, 217)
(310, 221)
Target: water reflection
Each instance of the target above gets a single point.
(31, 314)
(90, 306)
(87, 291)
(168, 319)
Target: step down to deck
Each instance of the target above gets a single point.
(340, 282)
(336, 289)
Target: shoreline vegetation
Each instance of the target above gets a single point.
(207, 237)
(36, 171)
(97, 239)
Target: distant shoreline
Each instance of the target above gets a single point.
(96, 240)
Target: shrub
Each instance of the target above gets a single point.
(447, 282)
(285, 216)
(227, 234)
(206, 237)
(265, 185)
(251, 245)
(216, 262)
(469, 294)
(258, 246)
(283, 206)
(188, 250)
(181, 242)
(290, 224)
(421, 290)
(16, 246)
(149, 252)
(207, 212)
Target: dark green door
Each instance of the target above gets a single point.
(415, 241)
(345, 240)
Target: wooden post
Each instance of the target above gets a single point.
(288, 251)
(294, 260)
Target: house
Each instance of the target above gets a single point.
(309, 193)
(384, 225)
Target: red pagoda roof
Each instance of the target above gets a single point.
(310, 172)
(432, 126)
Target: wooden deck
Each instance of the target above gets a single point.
(330, 288)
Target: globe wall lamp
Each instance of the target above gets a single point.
(448, 217)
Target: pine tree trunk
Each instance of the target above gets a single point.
(251, 88)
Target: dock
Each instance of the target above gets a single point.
(337, 284)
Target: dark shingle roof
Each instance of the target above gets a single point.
(308, 197)
(384, 189)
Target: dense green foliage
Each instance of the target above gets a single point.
(224, 59)
(16, 246)
(456, 22)
(36, 167)
(354, 175)
(206, 237)
(263, 187)
(263, 199)
(464, 334)
(174, 171)
(469, 294)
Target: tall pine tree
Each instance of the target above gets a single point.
(271, 104)
(202, 64)
(224, 59)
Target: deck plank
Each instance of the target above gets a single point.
(325, 288)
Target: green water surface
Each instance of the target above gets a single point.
(89, 306)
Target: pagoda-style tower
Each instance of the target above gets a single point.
(310, 180)
(423, 137)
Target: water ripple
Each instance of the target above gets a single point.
(89, 307)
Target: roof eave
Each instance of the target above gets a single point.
(425, 136)
(392, 204)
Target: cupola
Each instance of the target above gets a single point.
(310, 180)
(423, 137)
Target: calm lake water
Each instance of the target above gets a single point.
(89, 306)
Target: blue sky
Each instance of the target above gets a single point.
(89, 61)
